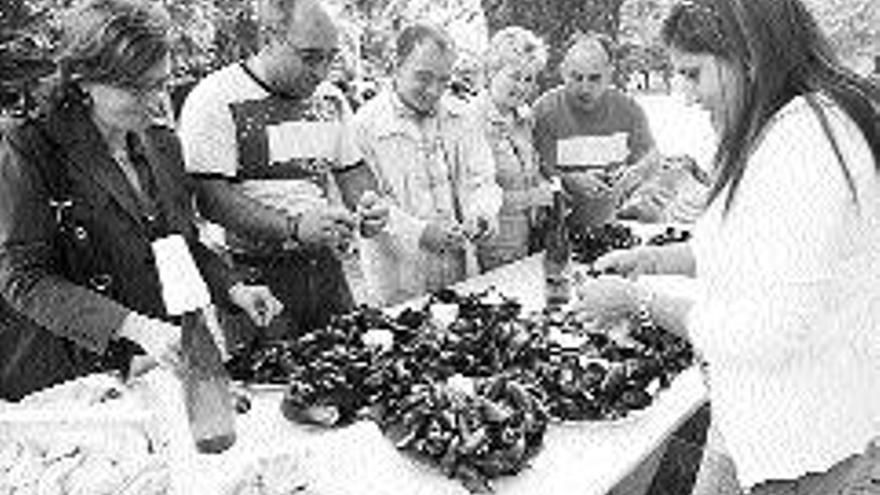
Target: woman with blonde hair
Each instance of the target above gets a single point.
(512, 64)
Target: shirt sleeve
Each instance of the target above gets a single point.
(544, 138)
(404, 231)
(348, 151)
(641, 141)
(774, 269)
(207, 134)
(480, 193)
(28, 278)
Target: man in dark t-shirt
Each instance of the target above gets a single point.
(596, 138)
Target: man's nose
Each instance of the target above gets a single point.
(156, 101)
(435, 89)
(685, 88)
(321, 70)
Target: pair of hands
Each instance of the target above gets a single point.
(621, 184)
(162, 340)
(335, 226)
(443, 236)
(615, 294)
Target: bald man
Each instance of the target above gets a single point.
(596, 138)
(264, 142)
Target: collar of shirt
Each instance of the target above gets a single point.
(398, 118)
(495, 117)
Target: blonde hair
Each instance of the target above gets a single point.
(514, 45)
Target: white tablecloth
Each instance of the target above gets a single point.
(578, 458)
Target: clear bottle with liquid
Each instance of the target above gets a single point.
(210, 407)
(557, 251)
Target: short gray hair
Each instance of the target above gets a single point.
(514, 45)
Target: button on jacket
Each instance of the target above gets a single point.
(61, 317)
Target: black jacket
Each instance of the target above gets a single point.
(67, 285)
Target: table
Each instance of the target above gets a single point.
(577, 458)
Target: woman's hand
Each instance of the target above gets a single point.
(607, 299)
(640, 260)
(257, 301)
(159, 340)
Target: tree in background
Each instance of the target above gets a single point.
(555, 21)
(853, 27)
(24, 53)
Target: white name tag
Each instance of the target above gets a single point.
(598, 151)
(183, 288)
(292, 140)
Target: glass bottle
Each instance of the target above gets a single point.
(209, 403)
(210, 408)
(557, 251)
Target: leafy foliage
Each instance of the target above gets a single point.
(555, 21)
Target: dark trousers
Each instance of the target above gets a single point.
(310, 283)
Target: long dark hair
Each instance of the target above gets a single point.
(782, 54)
(108, 41)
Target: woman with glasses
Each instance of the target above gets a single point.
(86, 189)
(512, 64)
(787, 250)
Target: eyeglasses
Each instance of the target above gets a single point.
(145, 87)
(314, 57)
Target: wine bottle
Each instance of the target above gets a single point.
(557, 250)
(210, 408)
(209, 403)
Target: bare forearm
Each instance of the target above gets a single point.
(220, 202)
(676, 259)
(670, 312)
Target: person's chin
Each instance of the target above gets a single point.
(428, 105)
(586, 102)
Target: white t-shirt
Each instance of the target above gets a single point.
(790, 323)
(280, 152)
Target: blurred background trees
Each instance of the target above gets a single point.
(211, 33)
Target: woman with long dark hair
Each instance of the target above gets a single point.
(787, 250)
(86, 190)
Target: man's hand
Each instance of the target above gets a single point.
(481, 228)
(373, 214)
(439, 237)
(257, 301)
(331, 226)
(635, 175)
(586, 184)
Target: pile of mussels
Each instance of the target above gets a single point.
(524, 371)
(590, 244)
